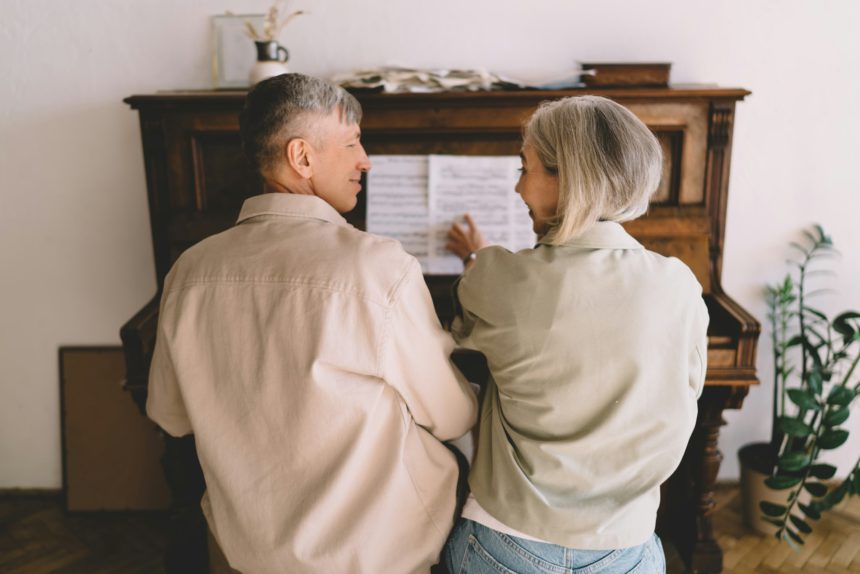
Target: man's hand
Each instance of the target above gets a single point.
(463, 241)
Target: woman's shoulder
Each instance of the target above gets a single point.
(495, 264)
(675, 270)
(496, 274)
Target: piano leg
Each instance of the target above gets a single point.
(689, 515)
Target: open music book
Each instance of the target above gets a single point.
(416, 198)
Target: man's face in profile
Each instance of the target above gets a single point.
(340, 160)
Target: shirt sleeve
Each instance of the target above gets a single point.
(416, 361)
(164, 403)
(700, 334)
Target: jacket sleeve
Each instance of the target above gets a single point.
(471, 298)
(415, 360)
(164, 403)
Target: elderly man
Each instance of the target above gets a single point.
(306, 358)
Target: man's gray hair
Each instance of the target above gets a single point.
(607, 161)
(283, 108)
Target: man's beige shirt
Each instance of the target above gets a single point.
(597, 352)
(306, 358)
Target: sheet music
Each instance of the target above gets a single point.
(482, 186)
(397, 207)
(415, 199)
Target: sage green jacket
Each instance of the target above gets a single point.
(597, 353)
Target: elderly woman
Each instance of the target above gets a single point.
(596, 350)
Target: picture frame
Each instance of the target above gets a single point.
(233, 51)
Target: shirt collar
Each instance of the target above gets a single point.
(290, 204)
(603, 235)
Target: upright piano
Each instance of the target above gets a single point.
(197, 180)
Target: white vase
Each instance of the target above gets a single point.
(271, 61)
(263, 70)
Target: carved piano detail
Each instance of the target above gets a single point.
(197, 180)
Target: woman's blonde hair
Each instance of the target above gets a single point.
(607, 161)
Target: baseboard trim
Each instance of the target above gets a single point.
(30, 492)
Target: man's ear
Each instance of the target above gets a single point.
(297, 153)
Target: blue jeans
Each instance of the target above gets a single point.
(473, 548)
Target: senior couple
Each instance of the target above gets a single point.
(306, 358)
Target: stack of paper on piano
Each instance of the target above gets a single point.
(397, 80)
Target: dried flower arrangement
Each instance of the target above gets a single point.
(272, 23)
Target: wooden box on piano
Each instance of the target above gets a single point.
(197, 180)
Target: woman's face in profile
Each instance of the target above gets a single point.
(538, 188)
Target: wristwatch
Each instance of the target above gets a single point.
(470, 257)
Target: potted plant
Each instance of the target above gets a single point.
(816, 378)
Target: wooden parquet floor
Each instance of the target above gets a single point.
(38, 537)
(833, 546)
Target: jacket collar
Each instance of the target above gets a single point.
(290, 204)
(602, 235)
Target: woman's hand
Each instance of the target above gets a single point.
(465, 240)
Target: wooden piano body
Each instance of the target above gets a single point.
(197, 180)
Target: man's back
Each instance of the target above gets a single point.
(302, 353)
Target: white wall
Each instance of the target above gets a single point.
(75, 252)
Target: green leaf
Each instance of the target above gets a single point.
(822, 471)
(842, 326)
(836, 417)
(842, 317)
(794, 461)
(815, 488)
(794, 535)
(809, 511)
(775, 521)
(832, 498)
(794, 341)
(771, 509)
(840, 396)
(821, 338)
(801, 248)
(812, 351)
(800, 524)
(837, 495)
(794, 427)
(832, 438)
(815, 312)
(803, 399)
(813, 379)
(781, 482)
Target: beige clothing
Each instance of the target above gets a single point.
(307, 359)
(597, 353)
